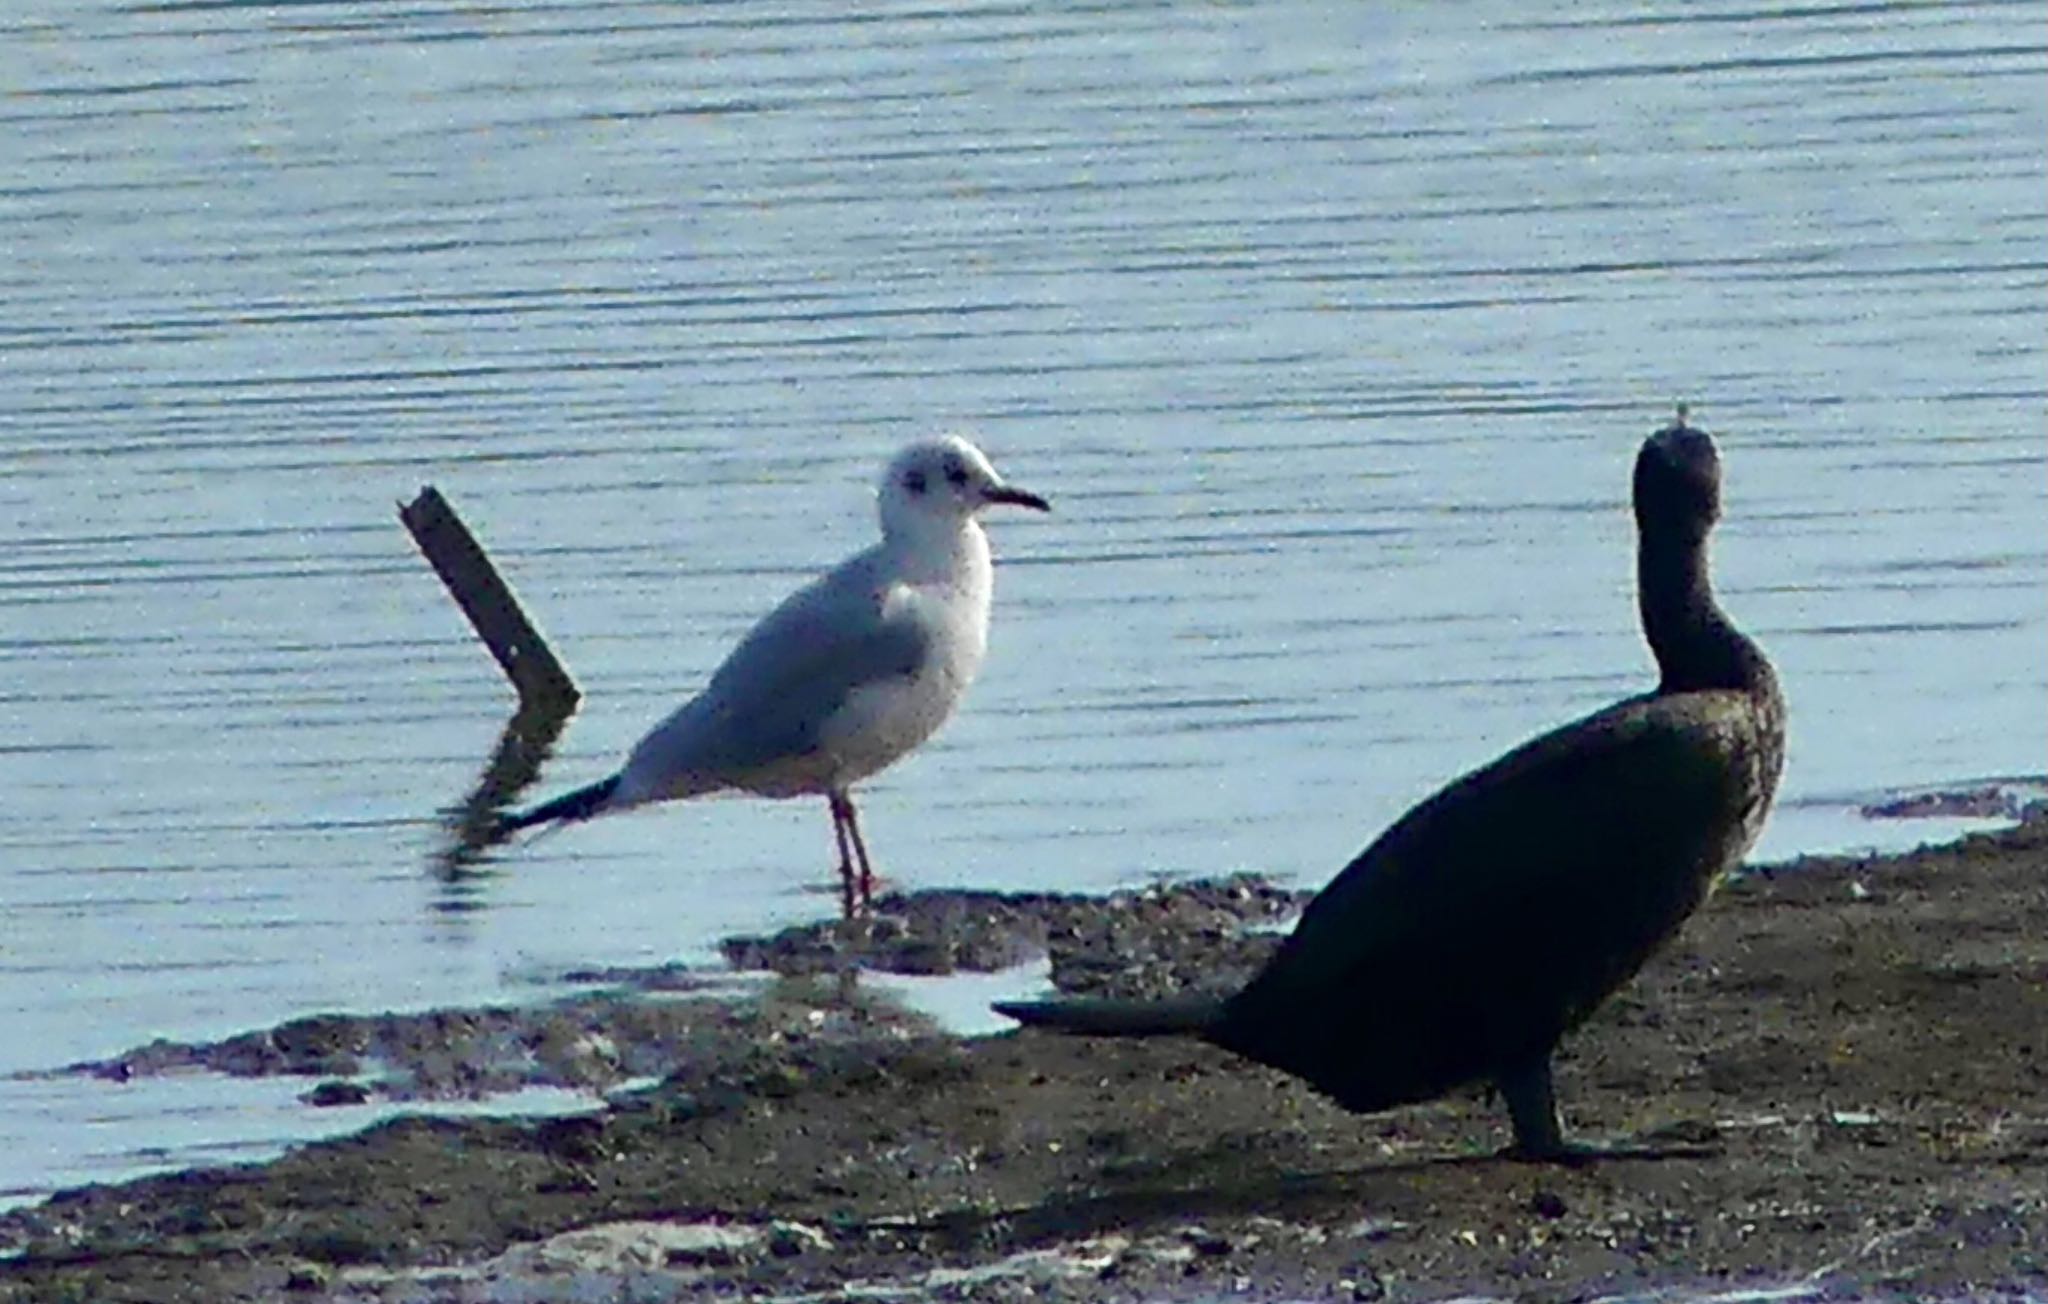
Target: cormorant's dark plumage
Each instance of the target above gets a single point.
(1495, 916)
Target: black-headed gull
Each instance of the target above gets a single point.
(851, 673)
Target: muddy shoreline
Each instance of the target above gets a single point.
(1858, 1047)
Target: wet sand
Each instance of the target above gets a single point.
(1850, 1055)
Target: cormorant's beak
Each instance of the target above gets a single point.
(1003, 493)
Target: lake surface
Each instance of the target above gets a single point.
(1331, 331)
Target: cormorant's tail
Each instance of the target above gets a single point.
(578, 805)
(1187, 1016)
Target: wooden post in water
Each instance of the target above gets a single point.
(487, 600)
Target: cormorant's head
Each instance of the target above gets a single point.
(1678, 480)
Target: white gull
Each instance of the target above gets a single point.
(851, 673)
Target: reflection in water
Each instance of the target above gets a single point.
(474, 826)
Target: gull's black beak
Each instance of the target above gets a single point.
(1016, 497)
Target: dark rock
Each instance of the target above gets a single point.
(334, 1091)
(307, 1277)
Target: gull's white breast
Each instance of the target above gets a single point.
(880, 722)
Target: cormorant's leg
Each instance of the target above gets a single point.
(860, 848)
(1539, 1137)
(1532, 1105)
(842, 819)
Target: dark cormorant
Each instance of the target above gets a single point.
(1495, 916)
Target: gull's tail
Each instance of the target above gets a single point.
(1187, 1016)
(578, 805)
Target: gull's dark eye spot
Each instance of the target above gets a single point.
(956, 474)
(914, 481)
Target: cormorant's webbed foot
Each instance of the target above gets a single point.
(1540, 1139)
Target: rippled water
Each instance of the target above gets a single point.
(1331, 330)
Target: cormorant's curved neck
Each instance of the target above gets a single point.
(1695, 644)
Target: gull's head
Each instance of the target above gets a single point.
(944, 481)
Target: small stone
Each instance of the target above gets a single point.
(307, 1276)
(779, 1082)
(336, 1091)
(338, 1245)
(706, 1245)
(788, 1239)
(566, 1180)
(1373, 1229)
(1547, 1204)
(711, 1256)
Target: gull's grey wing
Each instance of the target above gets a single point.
(793, 670)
